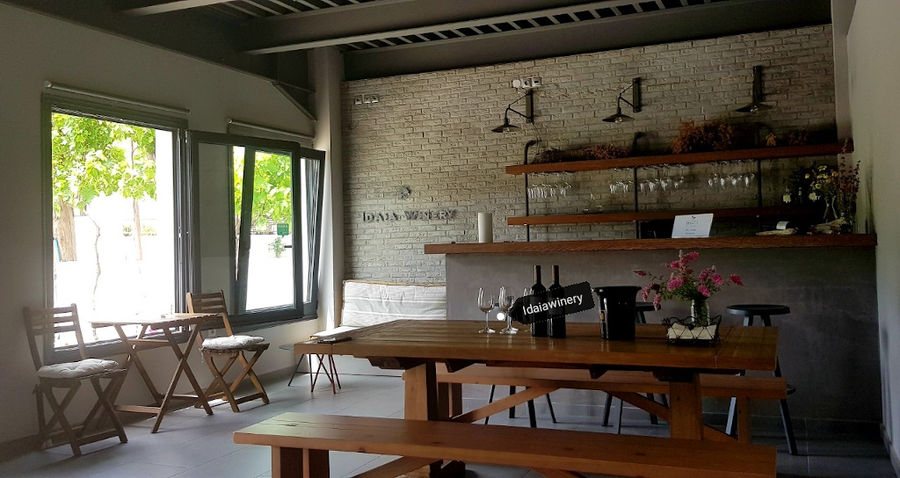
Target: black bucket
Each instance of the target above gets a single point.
(617, 306)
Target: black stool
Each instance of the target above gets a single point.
(532, 419)
(764, 312)
(639, 309)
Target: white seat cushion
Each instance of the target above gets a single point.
(372, 302)
(231, 342)
(82, 368)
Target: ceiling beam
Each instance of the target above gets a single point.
(154, 8)
(678, 24)
(390, 18)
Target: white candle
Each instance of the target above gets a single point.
(485, 227)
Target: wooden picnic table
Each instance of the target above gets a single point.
(416, 346)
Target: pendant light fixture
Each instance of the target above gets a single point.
(528, 115)
(635, 103)
(756, 103)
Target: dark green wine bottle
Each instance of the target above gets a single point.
(556, 326)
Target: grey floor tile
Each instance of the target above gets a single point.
(191, 444)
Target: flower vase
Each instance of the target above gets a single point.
(700, 311)
(830, 212)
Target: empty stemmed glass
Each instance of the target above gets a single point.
(485, 304)
(505, 304)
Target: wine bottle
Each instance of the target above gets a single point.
(539, 326)
(556, 326)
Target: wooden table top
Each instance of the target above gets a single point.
(165, 320)
(740, 348)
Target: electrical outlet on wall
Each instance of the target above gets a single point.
(358, 100)
(536, 81)
(526, 82)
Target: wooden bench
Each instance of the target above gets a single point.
(626, 385)
(300, 443)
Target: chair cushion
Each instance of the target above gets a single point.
(373, 302)
(82, 368)
(231, 342)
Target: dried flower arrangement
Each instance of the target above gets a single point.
(599, 151)
(715, 135)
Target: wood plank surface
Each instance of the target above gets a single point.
(750, 242)
(741, 348)
(513, 446)
(711, 385)
(165, 320)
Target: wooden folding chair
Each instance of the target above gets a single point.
(49, 325)
(231, 349)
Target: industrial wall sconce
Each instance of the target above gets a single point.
(528, 115)
(756, 103)
(635, 102)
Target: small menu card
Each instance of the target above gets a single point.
(692, 225)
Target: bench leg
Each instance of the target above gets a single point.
(296, 462)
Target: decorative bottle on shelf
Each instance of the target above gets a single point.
(539, 327)
(556, 326)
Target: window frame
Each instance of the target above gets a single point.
(77, 105)
(300, 310)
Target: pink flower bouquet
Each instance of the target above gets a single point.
(682, 284)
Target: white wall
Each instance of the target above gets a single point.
(34, 48)
(326, 74)
(874, 61)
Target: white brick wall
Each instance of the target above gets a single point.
(432, 132)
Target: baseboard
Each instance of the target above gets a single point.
(888, 444)
(18, 447)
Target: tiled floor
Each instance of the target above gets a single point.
(191, 444)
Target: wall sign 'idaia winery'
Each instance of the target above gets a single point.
(389, 216)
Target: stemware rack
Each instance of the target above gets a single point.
(636, 162)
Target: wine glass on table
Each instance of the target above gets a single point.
(485, 304)
(505, 303)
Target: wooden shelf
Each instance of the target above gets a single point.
(752, 242)
(687, 158)
(655, 215)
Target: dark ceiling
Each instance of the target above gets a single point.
(389, 37)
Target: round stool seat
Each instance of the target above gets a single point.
(644, 306)
(758, 309)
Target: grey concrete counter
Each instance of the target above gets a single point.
(828, 344)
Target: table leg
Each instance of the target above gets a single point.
(420, 393)
(686, 420)
(134, 359)
(183, 366)
(295, 462)
(420, 399)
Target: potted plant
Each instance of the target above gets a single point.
(683, 284)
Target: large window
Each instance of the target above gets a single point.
(133, 219)
(257, 215)
(110, 198)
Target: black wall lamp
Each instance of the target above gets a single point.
(756, 103)
(528, 115)
(635, 103)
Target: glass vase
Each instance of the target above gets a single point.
(700, 311)
(830, 212)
